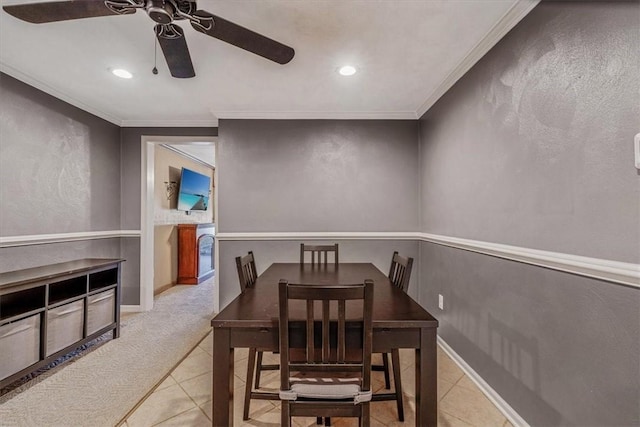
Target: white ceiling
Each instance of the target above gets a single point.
(408, 52)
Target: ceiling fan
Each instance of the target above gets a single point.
(170, 36)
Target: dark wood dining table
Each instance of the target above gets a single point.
(251, 320)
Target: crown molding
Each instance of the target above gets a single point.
(509, 20)
(205, 123)
(50, 90)
(41, 239)
(317, 115)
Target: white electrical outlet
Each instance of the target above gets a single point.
(440, 302)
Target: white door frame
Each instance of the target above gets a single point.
(147, 167)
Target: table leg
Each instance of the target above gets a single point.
(427, 379)
(222, 390)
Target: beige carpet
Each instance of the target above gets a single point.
(101, 387)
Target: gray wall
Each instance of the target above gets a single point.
(314, 176)
(65, 170)
(533, 148)
(536, 141)
(59, 166)
(318, 175)
(60, 172)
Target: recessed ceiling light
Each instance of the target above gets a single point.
(124, 74)
(347, 70)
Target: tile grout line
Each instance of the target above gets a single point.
(155, 388)
(449, 391)
(193, 400)
(455, 416)
(180, 413)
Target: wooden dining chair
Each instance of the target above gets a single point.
(247, 275)
(399, 275)
(319, 253)
(331, 380)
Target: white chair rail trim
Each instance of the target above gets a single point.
(39, 239)
(322, 235)
(611, 271)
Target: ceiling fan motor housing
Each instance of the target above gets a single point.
(160, 11)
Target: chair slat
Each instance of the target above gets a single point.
(325, 331)
(311, 349)
(342, 350)
(319, 253)
(335, 366)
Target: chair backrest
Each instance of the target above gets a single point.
(247, 273)
(326, 337)
(400, 271)
(319, 253)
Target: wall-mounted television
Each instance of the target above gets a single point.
(194, 191)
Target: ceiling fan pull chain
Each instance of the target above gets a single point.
(155, 56)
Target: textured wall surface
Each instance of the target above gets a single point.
(60, 172)
(314, 176)
(561, 349)
(65, 170)
(59, 166)
(317, 175)
(533, 148)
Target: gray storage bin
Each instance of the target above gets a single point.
(19, 345)
(64, 326)
(100, 310)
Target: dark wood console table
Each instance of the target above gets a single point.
(47, 312)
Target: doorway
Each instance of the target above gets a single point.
(149, 192)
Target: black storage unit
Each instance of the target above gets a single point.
(48, 311)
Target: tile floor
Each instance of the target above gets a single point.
(184, 398)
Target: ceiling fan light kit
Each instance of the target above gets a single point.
(170, 35)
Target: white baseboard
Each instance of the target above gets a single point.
(506, 410)
(131, 308)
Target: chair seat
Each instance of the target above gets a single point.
(325, 389)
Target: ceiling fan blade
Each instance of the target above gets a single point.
(176, 52)
(241, 37)
(40, 13)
